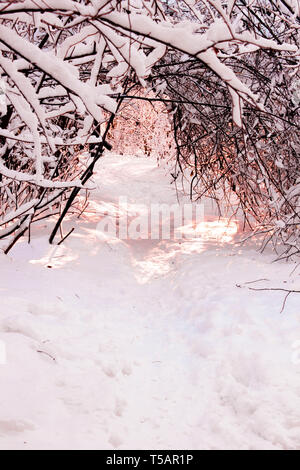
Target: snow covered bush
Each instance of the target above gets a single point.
(60, 68)
(66, 65)
(248, 159)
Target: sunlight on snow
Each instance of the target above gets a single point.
(161, 260)
(57, 257)
(98, 209)
(221, 230)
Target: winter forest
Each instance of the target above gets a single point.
(150, 225)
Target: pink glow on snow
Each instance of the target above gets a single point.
(222, 230)
(57, 257)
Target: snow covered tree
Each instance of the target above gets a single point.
(249, 159)
(66, 65)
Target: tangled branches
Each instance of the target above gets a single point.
(249, 159)
(59, 69)
(67, 66)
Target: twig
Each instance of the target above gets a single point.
(47, 354)
(274, 289)
(66, 236)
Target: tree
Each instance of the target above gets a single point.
(66, 64)
(252, 164)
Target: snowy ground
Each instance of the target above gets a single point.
(146, 344)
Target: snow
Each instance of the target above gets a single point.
(115, 344)
(43, 183)
(24, 208)
(65, 74)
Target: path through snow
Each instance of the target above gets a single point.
(145, 344)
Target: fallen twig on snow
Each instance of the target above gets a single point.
(275, 289)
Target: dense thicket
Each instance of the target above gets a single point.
(226, 70)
